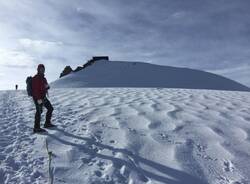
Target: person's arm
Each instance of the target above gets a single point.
(47, 87)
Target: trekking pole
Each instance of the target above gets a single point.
(51, 177)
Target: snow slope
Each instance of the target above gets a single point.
(136, 74)
(128, 135)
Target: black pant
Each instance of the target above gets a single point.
(39, 109)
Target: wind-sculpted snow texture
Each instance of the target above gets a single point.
(128, 135)
(136, 74)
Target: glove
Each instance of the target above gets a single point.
(47, 86)
(39, 101)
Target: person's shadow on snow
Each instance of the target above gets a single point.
(168, 175)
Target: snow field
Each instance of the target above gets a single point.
(129, 135)
(21, 159)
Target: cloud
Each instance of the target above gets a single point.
(39, 44)
(16, 59)
(2, 74)
(37, 47)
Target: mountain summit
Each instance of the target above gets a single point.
(105, 73)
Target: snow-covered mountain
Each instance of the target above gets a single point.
(128, 136)
(135, 74)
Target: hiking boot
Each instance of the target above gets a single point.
(38, 130)
(48, 125)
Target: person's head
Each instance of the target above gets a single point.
(40, 69)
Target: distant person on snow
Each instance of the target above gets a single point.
(39, 90)
(16, 87)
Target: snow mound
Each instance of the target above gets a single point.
(135, 74)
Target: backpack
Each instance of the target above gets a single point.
(29, 85)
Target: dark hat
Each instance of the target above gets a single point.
(40, 66)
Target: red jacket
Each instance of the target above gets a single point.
(39, 87)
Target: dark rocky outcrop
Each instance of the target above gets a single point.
(96, 58)
(67, 70)
(78, 68)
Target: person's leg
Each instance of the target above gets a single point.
(50, 109)
(37, 115)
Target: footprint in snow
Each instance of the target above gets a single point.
(154, 125)
(98, 173)
(228, 166)
(178, 128)
(132, 130)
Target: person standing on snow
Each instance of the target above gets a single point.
(39, 90)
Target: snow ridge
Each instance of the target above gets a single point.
(135, 74)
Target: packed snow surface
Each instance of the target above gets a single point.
(128, 136)
(137, 74)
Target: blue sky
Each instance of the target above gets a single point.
(211, 35)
